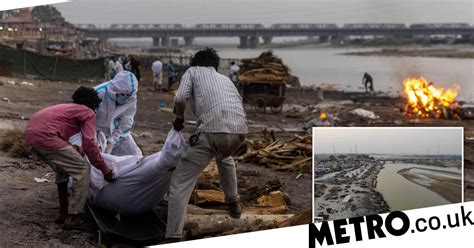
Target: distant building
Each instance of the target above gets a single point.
(23, 31)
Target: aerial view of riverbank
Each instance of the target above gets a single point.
(353, 177)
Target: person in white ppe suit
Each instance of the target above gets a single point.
(115, 115)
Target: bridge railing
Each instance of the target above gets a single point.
(274, 26)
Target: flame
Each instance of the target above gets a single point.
(323, 115)
(426, 100)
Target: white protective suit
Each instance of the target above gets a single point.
(116, 121)
(141, 182)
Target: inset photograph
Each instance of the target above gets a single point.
(374, 170)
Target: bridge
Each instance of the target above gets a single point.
(250, 34)
(421, 159)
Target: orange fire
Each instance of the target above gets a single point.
(425, 100)
(323, 115)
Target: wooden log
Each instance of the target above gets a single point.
(199, 225)
(246, 147)
(195, 210)
(266, 210)
(252, 210)
(209, 197)
(302, 218)
(253, 193)
(274, 199)
(247, 156)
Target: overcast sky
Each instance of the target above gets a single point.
(266, 11)
(388, 141)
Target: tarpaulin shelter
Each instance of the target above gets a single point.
(53, 67)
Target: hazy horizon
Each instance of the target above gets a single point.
(105, 12)
(406, 141)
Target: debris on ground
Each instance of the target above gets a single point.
(166, 109)
(144, 135)
(324, 120)
(13, 143)
(27, 83)
(365, 113)
(264, 205)
(41, 180)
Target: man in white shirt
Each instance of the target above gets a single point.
(156, 68)
(118, 65)
(221, 128)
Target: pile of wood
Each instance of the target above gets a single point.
(266, 67)
(265, 206)
(293, 155)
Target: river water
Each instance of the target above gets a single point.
(327, 65)
(401, 194)
(315, 66)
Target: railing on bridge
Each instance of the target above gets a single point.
(304, 26)
(127, 26)
(228, 26)
(440, 25)
(146, 26)
(375, 26)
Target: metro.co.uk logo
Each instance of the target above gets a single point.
(372, 225)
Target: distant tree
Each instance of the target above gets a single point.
(47, 13)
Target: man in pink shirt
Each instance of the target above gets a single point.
(47, 134)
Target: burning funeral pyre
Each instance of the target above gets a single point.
(425, 100)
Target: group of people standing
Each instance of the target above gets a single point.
(126, 62)
(132, 64)
(157, 70)
(108, 110)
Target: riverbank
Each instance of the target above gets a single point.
(440, 182)
(350, 192)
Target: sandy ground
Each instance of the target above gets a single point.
(446, 186)
(28, 209)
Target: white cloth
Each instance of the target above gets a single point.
(141, 182)
(116, 121)
(156, 68)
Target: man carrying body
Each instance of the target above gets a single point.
(222, 126)
(47, 134)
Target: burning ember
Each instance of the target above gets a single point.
(427, 101)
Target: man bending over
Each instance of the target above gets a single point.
(47, 135)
